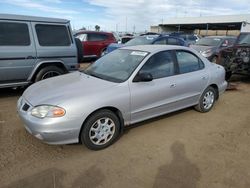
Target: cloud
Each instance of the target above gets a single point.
(41, 6)
(143, 13)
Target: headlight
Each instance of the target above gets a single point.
(207, 53)
(47, 111)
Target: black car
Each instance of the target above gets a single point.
(210, 46)
(236, 59)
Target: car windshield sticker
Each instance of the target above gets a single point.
(217, 39)
(149, 38)
(139, 53)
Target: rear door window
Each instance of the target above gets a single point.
(52, 35)
(188, 62)
(14, 34)
(160, 41)
(97, 37)
(173, 41)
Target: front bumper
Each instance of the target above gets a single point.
(61, 130)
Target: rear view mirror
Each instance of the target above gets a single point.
(143, 77)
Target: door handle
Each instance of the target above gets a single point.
(172, 85)
(204, 77)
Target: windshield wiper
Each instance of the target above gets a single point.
(94, 75)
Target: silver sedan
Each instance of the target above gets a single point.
(127, 86)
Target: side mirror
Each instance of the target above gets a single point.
(143, 77)
(224, 45)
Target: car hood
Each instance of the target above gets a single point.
(201, 49)
(57, 90)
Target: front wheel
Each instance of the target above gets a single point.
(207, 100)
(100, 130)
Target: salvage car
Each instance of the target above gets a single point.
(210, 46)
(149, 39)
(126, 86)
(35, 48)
(236, 59)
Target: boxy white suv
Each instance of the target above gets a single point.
(35, 48)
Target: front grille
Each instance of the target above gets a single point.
(25, 107)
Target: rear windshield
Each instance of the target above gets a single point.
(141, 40)
(209, 41)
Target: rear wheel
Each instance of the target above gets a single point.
(207, 100)
(48, 72)
(103, 52)
(100, 130)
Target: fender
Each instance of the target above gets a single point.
(49, 62)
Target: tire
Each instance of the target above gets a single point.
(207, 100)
(104, 127)
(228, 75)
(79, 48)
(214, 59)
(103, 52)
(48, 72)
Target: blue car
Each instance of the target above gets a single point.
(149, 39)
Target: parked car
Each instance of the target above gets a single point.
(189, 38)
(236, 59)
(126, 38)
(149, 39)
(210, 46)
(35, 48)
(95, 42)
(126, 86)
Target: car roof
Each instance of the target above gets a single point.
(220, 37)
(155, 48)
(99, 32)
(148, 36)
(32, 18)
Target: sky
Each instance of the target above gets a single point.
(123, 15)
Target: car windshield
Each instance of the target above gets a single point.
(116, 66)
(142, 40)
(209, 42)
(244, 39)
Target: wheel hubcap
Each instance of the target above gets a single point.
(50, 74)
(208, 100)
(102, 131)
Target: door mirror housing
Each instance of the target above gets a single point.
(143, 77)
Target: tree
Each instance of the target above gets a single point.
(97, 28)
(83, 28)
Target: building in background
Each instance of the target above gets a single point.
(206, 26)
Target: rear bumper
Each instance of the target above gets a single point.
(222, 88)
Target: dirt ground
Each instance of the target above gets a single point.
(185, 149)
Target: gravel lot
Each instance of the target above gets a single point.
(184, 149)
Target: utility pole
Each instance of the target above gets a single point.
(134, 29)
(126, 24)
